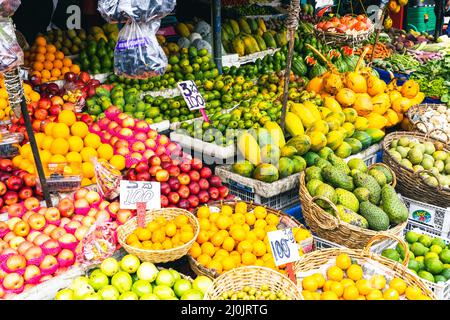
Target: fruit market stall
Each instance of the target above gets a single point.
(158, 172)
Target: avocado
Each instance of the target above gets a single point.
(378, 219)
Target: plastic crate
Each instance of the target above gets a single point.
(415, 19)
(281, 201)
(433, 219)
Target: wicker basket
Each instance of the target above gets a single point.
(254, 277)
(158, 256)
(411, 184)
(330, 227)
(313, 261)
(414, 116)
(286, 221)
(341, 39)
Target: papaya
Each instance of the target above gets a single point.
(235, 27)
(243, 26)
(318, 140)
(253, 25)
(285, 167)
(334, 139)
(376, 134)
(238, 47)
(307, 118)
(266, 172)
(363, 104)
(381, 103)
(364, 138)
(313, 109)
(376, 120)
(361, 123)
(262, 25)
(350, 115)
(249, 148)
(270, 154)
(410, 89)
(315, 85)
(319, 126)
(355, 144)
(344, 150)
(346, 97)
(269, 40)
(288, 151)
(302, 143)
(392, 118)
(276, 133)
(261, 44)
(244, 168)
(332, 104)
(293, 124)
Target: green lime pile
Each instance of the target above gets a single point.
(252, 293)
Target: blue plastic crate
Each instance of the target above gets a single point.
(386, 77)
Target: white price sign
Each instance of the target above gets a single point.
(132, 192)
(283, 245)
(193, 98)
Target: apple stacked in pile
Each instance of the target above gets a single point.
(185, 183)
(15, 185)
(37, 243)
(130, 279)
(131, 138)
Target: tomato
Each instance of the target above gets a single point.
(360, 26)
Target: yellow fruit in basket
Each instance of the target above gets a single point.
(399, 285)
(412, 293)
(245, 246)
(167, 244)
(208, 248)
(423, 297)
(156, 246)
(307, 295)
(251, 236)
(223, 222)
(248, 259)
(337, 288)
(250, 219)
(214, 216)
(260, 224)
(259, 248)
(260, 212)
(105, 151)
(228, 244)
(118, 162)
(343, 261)
(335, 273)
(87, 153)
(203, 212)
(240, 207)
(3, 93)
(378, 282)
(75, 144)
(67, 117)
(57, 158)
(203, 237)
(214, 264)
(59, 146)
(195, 251)
(238, 218)
(239, 234)
(260, 233)
(351, 293)
(227, 210)
(270, 228)
(131, 238)
(152, 226)
(320, 279)
(327, 285)
(302, 234)
(228, 263)
(92, 140)
(47, 142)
(329, 295)
(147, 245)
(158, 236)
(364, 286)
(143, 234)
(272, 219)
(355, 272)
(79, 129)
(204, 259)
(60, 130)
(171, 229)
(85, 182)
(310, 283)
(346, 282)
(236, 257)
(390, 294)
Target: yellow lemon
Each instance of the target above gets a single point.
(57, 158)
(329, 295)
(398, 284)
(260, 224)
(272, 219)
(320, 279)
(364, 286)
(74, 157)
(310, 283)
(59, 146)
(60, 130)
(337, 288)
(343, 261)
(378, 282)
(26, 151)
(228, 244)
(75, 144)
(248, 259)
(260, 212)
(203, 212)
(49, 128)
(346, 282)
(241, 207)
(118, 162)
(351, 293)
(47, 142)
(105, 151)
(259, 248)
(79, 129)
(335, 273)
(355, 272)
(250, 218)
(67, 117)
(87, 153)
(227, 210)
(412, 293)
(391, 294)
(92, 140)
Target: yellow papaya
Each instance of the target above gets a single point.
(293, 124)
(376, 120)
(332, 104)
(304, 114)
(276, 133)
(249, 148)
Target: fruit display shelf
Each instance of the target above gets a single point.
(230, 60)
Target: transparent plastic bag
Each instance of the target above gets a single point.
(136, 10)
(11, 55)
(8, 7)
(138, 53)
(108, 179)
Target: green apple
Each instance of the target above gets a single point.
(181, 286)
(109, 266)
(147, 271)
(81, 291)
(175, 274)
(202, 283)
(109, 292)
(128, 295)
(164, 292)
(141, 287)
(78, 282)
(192, 294)
(92, 296)
(98, 280)
(149, 296)
(122, 281)
(165, 278)
(64, 294)
(130, 263)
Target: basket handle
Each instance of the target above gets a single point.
(394, 178)
(333, 206)
(428, 134)
(419, 174)
(391, 236)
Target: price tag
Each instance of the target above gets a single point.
(141, 210)
(421, 214)
(193, 98)
(284, 247)
(133, 192)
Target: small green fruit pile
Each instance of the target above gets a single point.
(251, 293)
(429, 257)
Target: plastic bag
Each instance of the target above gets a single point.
(8, 7)
(135, 10)
(138, 53)
(11, 55)
(108, 179)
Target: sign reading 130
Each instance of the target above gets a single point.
(193, 98)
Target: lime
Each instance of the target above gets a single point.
(426, 275)
(439, 242)
(425, 240)
(445, 256)
(434, 265)
(436, 248)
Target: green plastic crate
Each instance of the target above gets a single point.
(415, 19)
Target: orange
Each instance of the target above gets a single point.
(239, 218)
(37, 73)
(53, 78)
(143, 234)
(202, 237)
(260, 233)
(67, 117)
(80, 129)
(158, 236)
(59, 55)
(75, 69)
(41, 50)
(259, 248)
(327, 285)
(391, 294)
(260, 212)
(208, 248)
(56, 73)
(203, 212)
(75, 144)
(378, 282)
(92, 140)
(260, 223)
(56, 158)
(320, 279)
(245, 246)
(223, 222)
(240, 207)
(355, 272)
(40, 41)
(48, 65)
(351, 293)
(364, 286)
(118, 162)
(272, 219)
(132, 238)
(171, 229)
(50, 57)
(248, 258)
(335, 273)
(167, 244)
(87, 153)
(157, 246)
(105, 151)
(38, 66)
(45, 74)
(228, 263)
(50, 48)
(228, 244)
(152, 226)
(226, 210)
(214, 264)
(67, 62)
(59, 146)
(88, 170)
(58, 64)
(250, 218)
(221, 253)
(343, 261)
(238, 234)
(375, 294)
(64, 70)
(399, 285)
(195, 251)
(217, 239)
(310, 283)
(186, 236)
(204, 259)
(236, 256)
(204, 224)
(60, 130)
(337, 288)
(329, 295)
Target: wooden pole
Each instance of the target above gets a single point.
(378, 30)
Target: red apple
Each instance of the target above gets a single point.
(29, 180)
(64, 221)
(40, 239)
(196, 164)
(32, 235)
(81, 232)
(204, 184)
(165, 188)
(57, 233)
(150, 144)
(33, 253)
(160, 151)
(49, 265)
(214, 193)
(31, 203)
(154, 161)
(183, 204)
(184, 178)
(32, 274)
(3, 188)
(174, 171)
(12, 222)
(49, 229)
(143, 176)
(148, 154)
(21, 229)
(184, 192)
(164, 201)
(185, 167)
(93, 197)
(72, 226)
(162, 140)
(92, 212)
(203, 196)
(66, 207)
(4, 229)
(25, 192)
(82, 206)
(194, 188)
(40, 114)
(174, 184)
(13, 282)
(166, 158)
(205, 172)
(65, 258)
(81, 193)
(16, 210)
(24, 246)
(6, 165)
(3, 245)
(141, 137)
(68, 241)
(173, 197)
(223, 190)
(10, 197)
(162, 175)
(193, 201)
(215, 181)
(88, 221)
(152, 134)
(102, 215)
(103, 205)
(154, 169)
(194, 176)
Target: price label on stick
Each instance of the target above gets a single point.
(192, 96)
(141, 210)
(134, 192)
(283, 245)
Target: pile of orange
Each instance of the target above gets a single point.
(345, 281)
(69, 141)
(47, 62)
(5, 109)
(162, 234)
(235, 237)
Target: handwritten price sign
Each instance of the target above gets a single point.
(133, 192)
(193, 98)
(284, 247)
